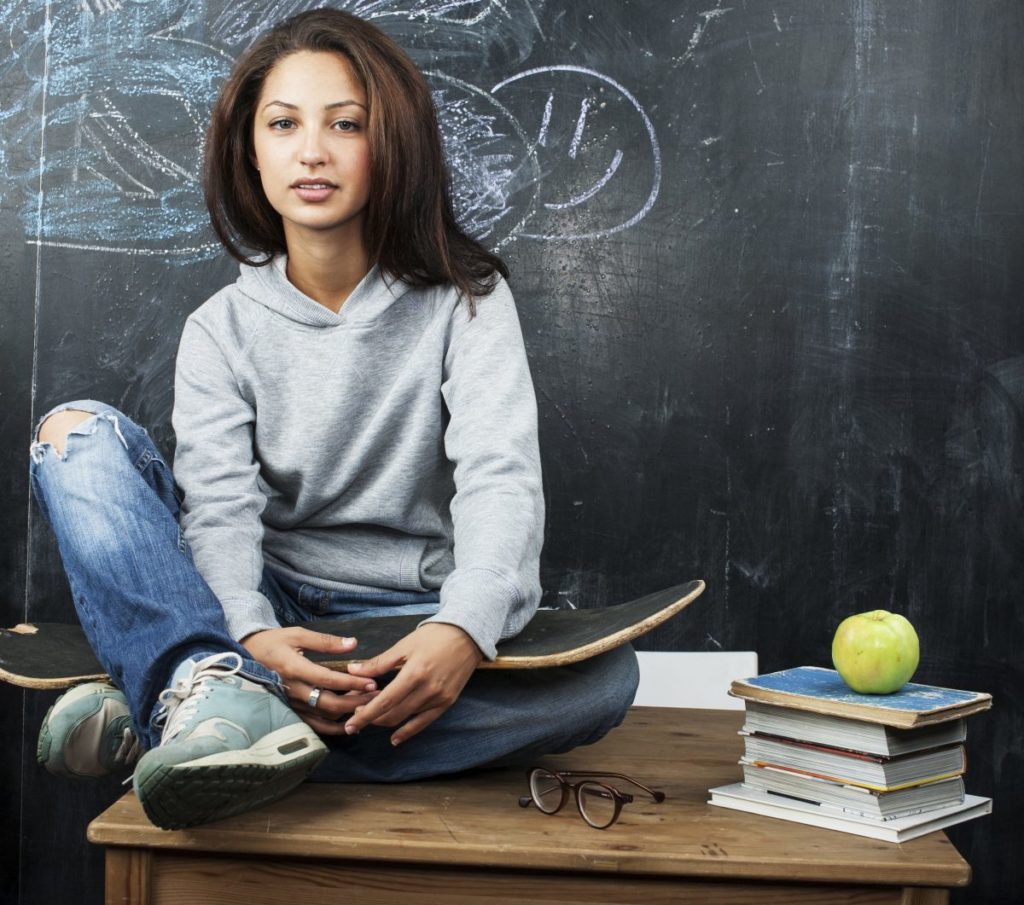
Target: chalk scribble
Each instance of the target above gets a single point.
(103, 104)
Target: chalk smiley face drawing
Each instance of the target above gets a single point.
(596, 147)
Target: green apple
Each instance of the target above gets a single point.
(876, 652)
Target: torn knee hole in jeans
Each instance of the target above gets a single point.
(86, 427)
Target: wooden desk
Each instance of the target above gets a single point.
(466, 840)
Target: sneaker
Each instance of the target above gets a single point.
(88, 733)
(228, 745)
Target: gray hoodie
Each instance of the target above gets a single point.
(392, 445)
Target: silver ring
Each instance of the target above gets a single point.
(314, 696)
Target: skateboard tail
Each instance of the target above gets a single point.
(622, 631)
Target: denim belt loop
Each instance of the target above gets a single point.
(308, 596)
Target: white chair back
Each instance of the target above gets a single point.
(699, 679)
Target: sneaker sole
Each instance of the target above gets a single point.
(176, 796)
(43, 745)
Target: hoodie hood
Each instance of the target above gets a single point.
(269, 285)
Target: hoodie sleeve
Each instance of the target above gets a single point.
(498, 507)
(215, 466)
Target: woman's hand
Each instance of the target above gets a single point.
(281, 649)
(434, 664)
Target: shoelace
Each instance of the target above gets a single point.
(174, 715)
(183, 697)
(129, 750)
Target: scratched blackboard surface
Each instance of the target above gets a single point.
(768, 259)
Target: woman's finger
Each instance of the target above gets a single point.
(388, 661)
(403, 697)
(416, 725)
(328, 704)
(294, 667)
(320, 725)
(307, 639)
(311, 674)
(282, 651)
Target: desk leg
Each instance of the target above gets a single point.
(920, 895)
(129, 874)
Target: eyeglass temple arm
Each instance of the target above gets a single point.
(656, 795)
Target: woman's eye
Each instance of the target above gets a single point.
(346, 125)
(281, 124)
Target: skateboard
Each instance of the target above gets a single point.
(52, 655)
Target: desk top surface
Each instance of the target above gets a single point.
(475, 820)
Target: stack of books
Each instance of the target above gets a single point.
(885, 766)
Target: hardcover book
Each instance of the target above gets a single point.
(823, 691)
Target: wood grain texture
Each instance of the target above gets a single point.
(129, 874)
(201, 880)
(474, 821)
(922, 896)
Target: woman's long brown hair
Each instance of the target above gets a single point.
(410, 228)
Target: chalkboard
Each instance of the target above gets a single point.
(767, 258)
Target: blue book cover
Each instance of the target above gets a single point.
(822, 690)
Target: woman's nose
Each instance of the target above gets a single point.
(313, 152)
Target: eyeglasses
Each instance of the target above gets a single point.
(599, 803)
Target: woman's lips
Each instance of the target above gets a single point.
(314, 191)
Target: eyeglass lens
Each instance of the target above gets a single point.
(597, 804)
(547, 791)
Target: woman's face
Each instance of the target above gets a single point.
(311, 149)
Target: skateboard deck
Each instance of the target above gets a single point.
(52, 655)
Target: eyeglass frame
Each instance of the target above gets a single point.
(618, 796)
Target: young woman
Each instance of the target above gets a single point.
(356, 436)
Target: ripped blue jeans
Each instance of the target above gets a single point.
(113, 504)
